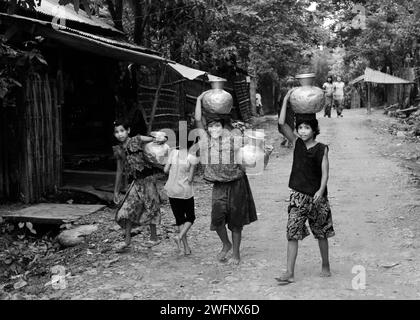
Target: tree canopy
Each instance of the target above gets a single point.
(378, 34)
(274, 38)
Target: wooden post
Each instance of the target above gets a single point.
(156, 100)
(369, 98)
(252, 93)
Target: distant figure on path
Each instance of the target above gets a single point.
(338, 96)
(328, 88)
(259, 105)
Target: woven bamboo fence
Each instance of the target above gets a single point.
(37, 144)
(161, 99)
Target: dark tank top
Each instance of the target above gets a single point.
(307, 170)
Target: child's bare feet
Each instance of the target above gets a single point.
(187, 251)
(234, 261)
(286, 278)
(325, 272)
(122, 247)
(177, 242)
(222, 254)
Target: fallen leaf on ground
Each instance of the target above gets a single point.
(109, 262)
(390, 265)
(19, 284)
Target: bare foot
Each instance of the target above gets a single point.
(187, 251)
(222, 254)
(150, 243)
(177, 242)
(325, 272)
(234, 261)
(122, 248)
(286, 278)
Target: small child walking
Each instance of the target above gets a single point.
(179, 188)
(309, 195)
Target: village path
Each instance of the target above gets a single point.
(375, 207)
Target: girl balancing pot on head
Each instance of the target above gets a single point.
(308, 184)
(232, 201)
(141, 203)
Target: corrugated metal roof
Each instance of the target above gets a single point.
(94, 44)
(187, 72)
(379, 77)
(191, 73)
(118, 43)
(53, 9)
(358, 79)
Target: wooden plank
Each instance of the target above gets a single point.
(150, 101)
(167, 115)
(153, 89)
(51, 213)
(407, 110)
(107, 197)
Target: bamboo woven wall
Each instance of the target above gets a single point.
(37, 144)
(172, 101)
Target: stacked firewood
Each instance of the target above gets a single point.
(409, 118)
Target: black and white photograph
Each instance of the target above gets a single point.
(210, 155)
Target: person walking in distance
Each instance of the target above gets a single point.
(259, 105)
(328, 89)
(338, 96)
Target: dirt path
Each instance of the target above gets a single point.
(375, 211)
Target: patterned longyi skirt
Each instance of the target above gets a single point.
(141, 203)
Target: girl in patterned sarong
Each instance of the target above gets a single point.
(232, 201)
(309, 195)
(141, 203)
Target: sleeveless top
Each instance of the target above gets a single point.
(306, 169)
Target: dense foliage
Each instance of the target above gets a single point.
(379, 34)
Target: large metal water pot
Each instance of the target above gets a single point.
(307, 98)
(157, 152)
(217, 100)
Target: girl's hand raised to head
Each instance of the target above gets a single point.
(286, 98)
(200, 97)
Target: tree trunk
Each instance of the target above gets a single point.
(252, 93)
(116, 11)
(141, 17)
